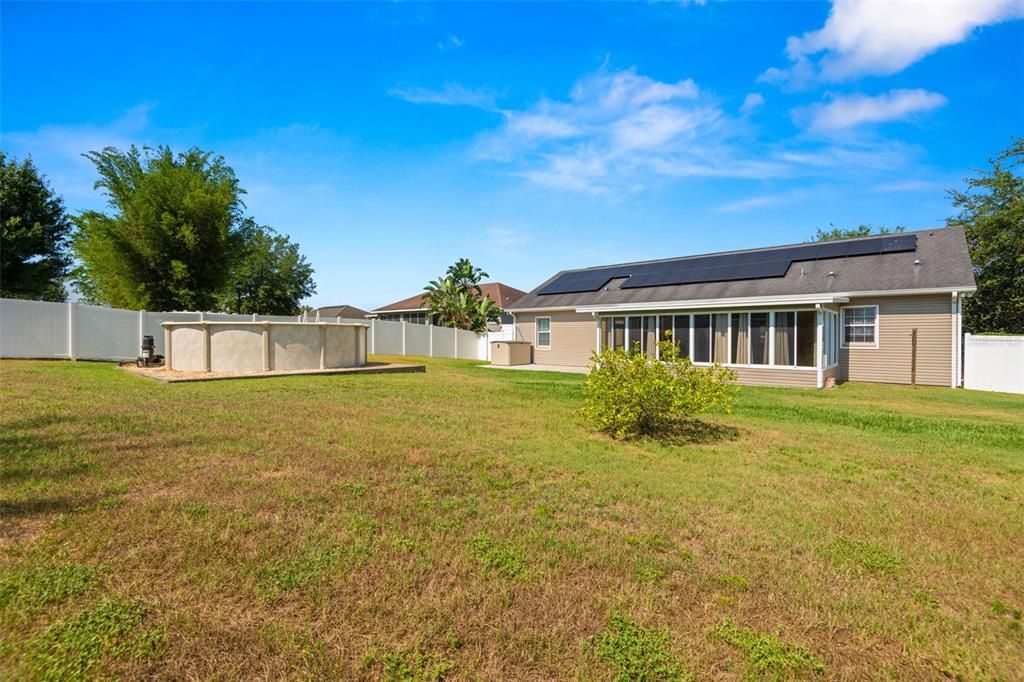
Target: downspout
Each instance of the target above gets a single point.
(955, 341)
(818, 344)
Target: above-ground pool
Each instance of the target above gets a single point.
(263, 346)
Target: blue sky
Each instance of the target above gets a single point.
(391, 139)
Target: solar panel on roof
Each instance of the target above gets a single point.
(906, 242)
(863, 248)
(724, 267)
(832, 250)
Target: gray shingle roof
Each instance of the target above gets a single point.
(942, 252)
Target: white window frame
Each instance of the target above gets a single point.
(842, 327)
(538, 332)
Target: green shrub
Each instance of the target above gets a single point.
(635, 652)
(628, 395)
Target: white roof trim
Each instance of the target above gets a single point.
(792, 299)
(400, 310)
(801, 299)
(543, 309)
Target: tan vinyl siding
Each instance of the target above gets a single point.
(573, 337)
(890, 362)
(795, 378)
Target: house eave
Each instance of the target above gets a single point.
(714, 303)
(762, 301)
(375, 313)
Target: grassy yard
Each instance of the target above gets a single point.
(464, 524)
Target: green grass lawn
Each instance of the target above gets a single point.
(465, 524)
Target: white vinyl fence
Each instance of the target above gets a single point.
(994, 363)
(76, 331)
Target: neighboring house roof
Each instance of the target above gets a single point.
(347, 311)
(938, 261)
(501, 294)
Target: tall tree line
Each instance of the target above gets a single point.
(174, 237)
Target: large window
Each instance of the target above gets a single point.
(702, 338)
(740, 336)
(806, 337)
(759, 327)
(543, 332)
(681, 334)
(633, 327)
(860, 325)
(831, 333)
(720, 347)
(619, 333)
(785, 337)
(650, 336)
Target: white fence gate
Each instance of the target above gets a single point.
(994, 363)
(40, 329)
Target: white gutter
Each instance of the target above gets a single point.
(541, 309)
(801, 299)
(711, 303)
(399, 310)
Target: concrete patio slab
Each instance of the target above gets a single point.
(171, 376)
(566, 369)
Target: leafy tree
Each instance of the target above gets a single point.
(992, 215)
(269, 276)
(846, 233)
(170, 239)
(467, 277)
(34, 234)
(627, 395)
(455, 300)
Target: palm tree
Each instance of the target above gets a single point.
(467, 276)
(456, 300)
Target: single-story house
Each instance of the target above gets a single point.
(349, 312)
(884, 308)
(415, 309)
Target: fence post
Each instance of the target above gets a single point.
(72, 331)
(206, 348)
(142, 329)
(373, 335)
(254, 317)
(430, 340)
(403, 337)
(455, 338)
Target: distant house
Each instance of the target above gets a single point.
(414, 309)
(878, 309)
(349, 312)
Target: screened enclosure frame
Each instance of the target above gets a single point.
(731, 333)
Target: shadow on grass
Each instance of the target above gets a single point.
(689, 432)
(697, 432)
(44, 506)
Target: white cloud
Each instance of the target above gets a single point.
(752, 203)
(618, 133)
(752, 102)
(451, 42)
(451, 94)
(57, 149)
(506, 240)
(909, 186)
(850, 111)
(882, 38)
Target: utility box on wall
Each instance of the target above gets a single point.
(508, 353)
